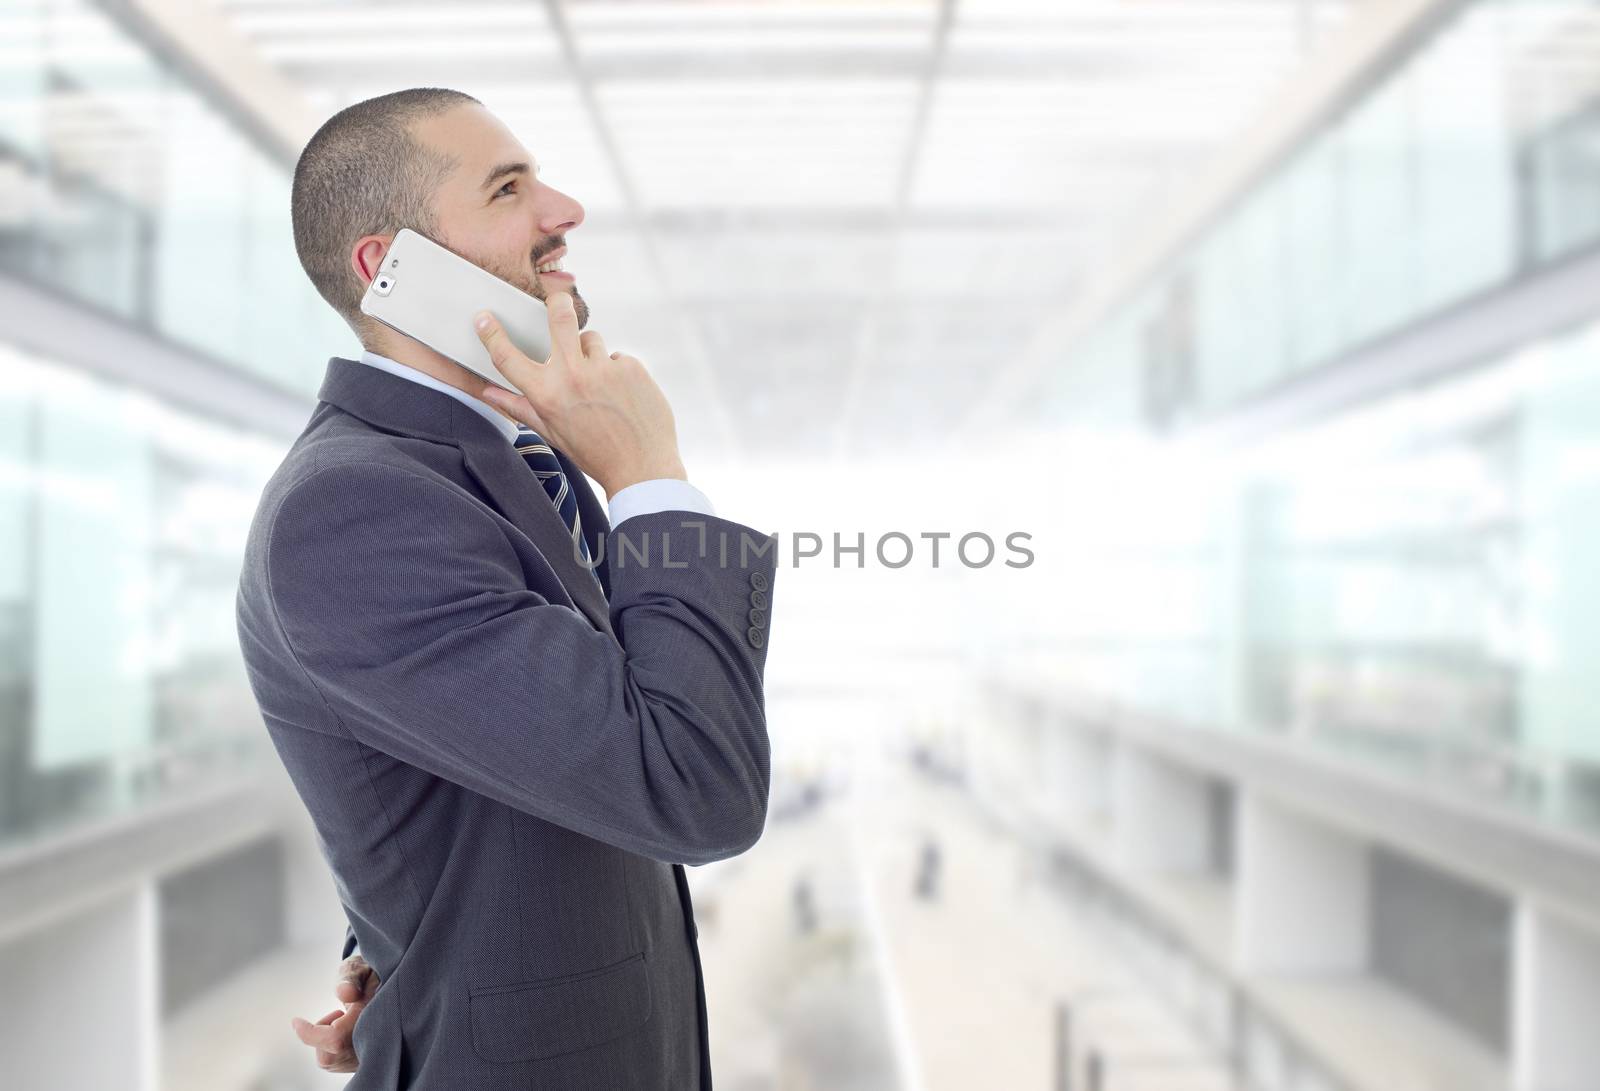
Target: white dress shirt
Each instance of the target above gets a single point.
(640, 498)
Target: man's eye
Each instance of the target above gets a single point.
(502, 191)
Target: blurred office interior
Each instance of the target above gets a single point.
(1273, 324)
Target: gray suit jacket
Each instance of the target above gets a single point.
(506, 772)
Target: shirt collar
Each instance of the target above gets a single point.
(506, 425)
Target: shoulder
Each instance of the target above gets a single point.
(381, 537)
(349, 493)
(361, 462)
(352, 489)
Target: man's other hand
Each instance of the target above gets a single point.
(331, 1035)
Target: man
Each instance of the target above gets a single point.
(507, 757)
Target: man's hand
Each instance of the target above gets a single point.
(601, 408)
(331, 1035)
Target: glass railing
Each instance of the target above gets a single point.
(1410, 586)
(123, 528)
(124, 518)
(121, 187)
(1469, 164)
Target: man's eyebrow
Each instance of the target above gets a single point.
(519, 167)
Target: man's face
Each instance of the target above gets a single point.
(493, 210)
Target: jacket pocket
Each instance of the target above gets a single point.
(533, 1020)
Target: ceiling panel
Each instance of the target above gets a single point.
(790, 205)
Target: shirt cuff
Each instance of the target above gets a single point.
(657, 494)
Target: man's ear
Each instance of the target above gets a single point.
(367, 255)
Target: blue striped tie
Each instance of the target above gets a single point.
(542, 460)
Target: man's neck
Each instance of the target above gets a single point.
(424, 359)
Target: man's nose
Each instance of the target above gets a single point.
(559, 213)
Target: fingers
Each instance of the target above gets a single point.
(520, 409)
(337, 1062)
(345, 1023)
(357, 980)
(353, 969)
(594, 346)
(324, 1035)
(332, 1037)
(510, 360)
(331, 1033)
(563, 326)
(352, 980)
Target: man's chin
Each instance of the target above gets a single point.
(578, 303)
(582, 308)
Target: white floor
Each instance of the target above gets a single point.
(982, 968)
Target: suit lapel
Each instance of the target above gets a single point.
(398, 405)
(521, 498)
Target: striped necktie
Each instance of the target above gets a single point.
(542, 461)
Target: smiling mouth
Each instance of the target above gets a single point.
(551, 266)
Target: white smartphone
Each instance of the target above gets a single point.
(431, 294)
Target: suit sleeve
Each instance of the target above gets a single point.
(409, 609)
(350, 946)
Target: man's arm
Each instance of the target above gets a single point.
(645, 498)
(408, 608)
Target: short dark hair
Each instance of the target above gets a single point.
(363, 173)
